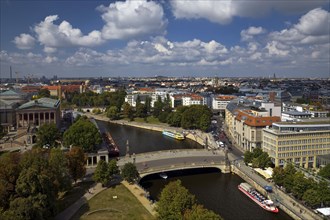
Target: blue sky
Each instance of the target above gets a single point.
(172, 38)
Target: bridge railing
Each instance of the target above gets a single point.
(172, 151)
(179, 166)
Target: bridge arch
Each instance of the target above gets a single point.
(176, 167)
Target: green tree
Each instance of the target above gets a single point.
(167, 104)
(312, 197)
(289, 171)
(76, 163)
(323, 191)
(141, 110)
(83, 133)
(257, 152)
(248, 157)
(128, 110)
(129, 172)
(300, 184)
(101, 173)
(113, 113)
(163, 117)
(325, 171)
(47, 135)
(9, 173)
(148, 104)
(113, 168)
(28, 208)
(36, 187)
(158, 107)
(204, 122)
(59, 171)
(37, 159)
(191, 117)
(262, 161)
(198, 212)
(43, 93)
(174, 201)
(279, 175)
(174, 119)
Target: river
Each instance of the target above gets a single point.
(216, 191)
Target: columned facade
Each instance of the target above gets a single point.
(38, 112)
(36, 117)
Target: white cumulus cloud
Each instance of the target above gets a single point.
(316, 22)
(252, 31)
(215, 11)
(52, 35)
(312, 28)
(132, 18)
(24, 41)
(223, 11)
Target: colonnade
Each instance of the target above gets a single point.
(35, 118)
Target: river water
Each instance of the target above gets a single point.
(216, 191)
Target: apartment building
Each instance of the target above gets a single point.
(297, 142)
(192, 99)
(220, 102)
(248, 127)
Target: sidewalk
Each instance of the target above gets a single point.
(68, 213)
(140, 195)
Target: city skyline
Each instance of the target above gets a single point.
(170, 38)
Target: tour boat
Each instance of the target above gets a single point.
(163, 175)
(253, 194)
(175, 135)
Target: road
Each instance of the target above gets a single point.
(173, 157)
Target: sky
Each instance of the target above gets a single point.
(223, 38)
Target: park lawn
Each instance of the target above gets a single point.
(126, 206)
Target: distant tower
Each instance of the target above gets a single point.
(11, 75)
(59, 93)
(16, 77)
(274, 77)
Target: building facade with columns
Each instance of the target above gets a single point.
(38, 112)
(297, 142)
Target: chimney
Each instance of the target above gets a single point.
(272, 96)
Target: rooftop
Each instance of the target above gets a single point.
(296, 113)
(42, 102)
(256, 121)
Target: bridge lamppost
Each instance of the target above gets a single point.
(226, 156)
(206, 143)
(134, 158)
(127, 148)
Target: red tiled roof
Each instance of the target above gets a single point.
(225, 97)
(50, 87)
(147, 89)
(28, 89)
(256, 121)
(65, 88)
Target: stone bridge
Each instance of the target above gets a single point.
(170, 160)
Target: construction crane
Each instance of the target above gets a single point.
(16, 77)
